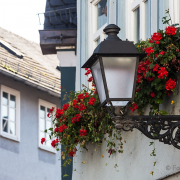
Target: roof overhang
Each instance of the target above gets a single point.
(50, 39)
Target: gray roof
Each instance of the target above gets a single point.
(23, 60)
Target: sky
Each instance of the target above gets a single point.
(20, 17)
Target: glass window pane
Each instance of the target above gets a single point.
(5, 125)
(48, 143)
(12, 114)
(96, 70)
(5, 98)
(48, 118)
(42, 112)
(48, 124)
(42, 124)
(148, 18)
(5, 112)
(101, 13)
(42, 135)
(12, 101)
(119, 73)
(137, 24)
(12, 127)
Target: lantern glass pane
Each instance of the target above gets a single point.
(118, 103)
(97, 75)
(120, 73)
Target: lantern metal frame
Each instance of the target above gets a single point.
(166, 128)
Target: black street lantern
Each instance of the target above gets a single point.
(114, 66)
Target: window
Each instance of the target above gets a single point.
(101, 8)
(148, 18)
(137, 24)
(10, 113)
(45, 123)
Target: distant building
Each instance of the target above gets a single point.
(30, 86)
(59, 36)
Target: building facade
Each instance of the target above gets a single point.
(28, 90)
(138, 20)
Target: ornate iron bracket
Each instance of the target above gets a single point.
(166, 129)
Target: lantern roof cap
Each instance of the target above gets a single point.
(113, 46)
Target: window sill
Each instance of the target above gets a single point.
(8, 136)
(49, 149)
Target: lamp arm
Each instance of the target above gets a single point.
(166, 129)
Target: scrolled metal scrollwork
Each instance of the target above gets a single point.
(166, 129)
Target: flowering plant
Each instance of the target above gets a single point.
(157, 72)
(81, 121)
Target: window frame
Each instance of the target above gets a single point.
(46, 104)
(17, 95)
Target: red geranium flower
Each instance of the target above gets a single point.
(54, 143)
(149, 50)
(135, 106)
(56, 129)
(155, 67)
(62, 128)
(171, 30)
(59, 112)
(90, 79)
(162, 72)
(162, 53)
(65, 107)
(152, 94)
(83, 132)
(72, 154)
(157, 42)
(91, 101)
(43, 140)
(170, 84)
(156, 36)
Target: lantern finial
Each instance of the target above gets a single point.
(112, 30)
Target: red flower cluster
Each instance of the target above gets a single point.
(65, 107)
(162, 53)
(149, 50)
(110, 151)
(72, 154)
(155, 67)
(137, 89)
(50, 111)
(76, 118)
(152, 94)
(91, 101)
(135, 106)
(143, 68)
(81, 107)
(43, 140)
(156, 36)
(170, 84)
(74, 103)
(80, 96)
(88, 72)
(171, 30)
(162, 72)
(56, 129)
(54, 143)
(62, 128)
(90, 79)
(87, 94)
(83, 132)
(59, 112)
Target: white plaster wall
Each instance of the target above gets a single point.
(135, 163)
(66, 58)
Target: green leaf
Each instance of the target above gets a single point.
(45, 131)
(163, 112)
(65, 175)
